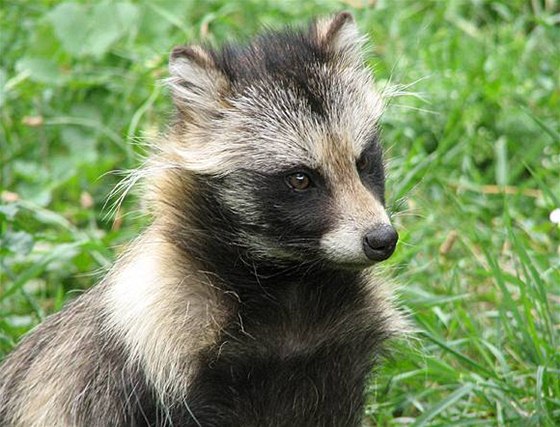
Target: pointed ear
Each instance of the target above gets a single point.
(340, 34)
(197, 86)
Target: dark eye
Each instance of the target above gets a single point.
(363, 164)
(299, 181)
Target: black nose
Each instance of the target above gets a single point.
(380, 242)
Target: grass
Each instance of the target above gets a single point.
(474, 174)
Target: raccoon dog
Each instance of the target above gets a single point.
(249, 300)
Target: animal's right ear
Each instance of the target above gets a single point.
(197, 86)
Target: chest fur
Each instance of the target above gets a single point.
(300, 359)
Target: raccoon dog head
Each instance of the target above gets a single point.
(284, 131)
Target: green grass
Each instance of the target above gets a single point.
(474, 174)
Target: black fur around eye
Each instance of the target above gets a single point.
(363, 164)
(298, 181)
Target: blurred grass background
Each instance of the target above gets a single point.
(474, 176)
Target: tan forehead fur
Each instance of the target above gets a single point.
(271, 127)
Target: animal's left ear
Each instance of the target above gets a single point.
(339, 34)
